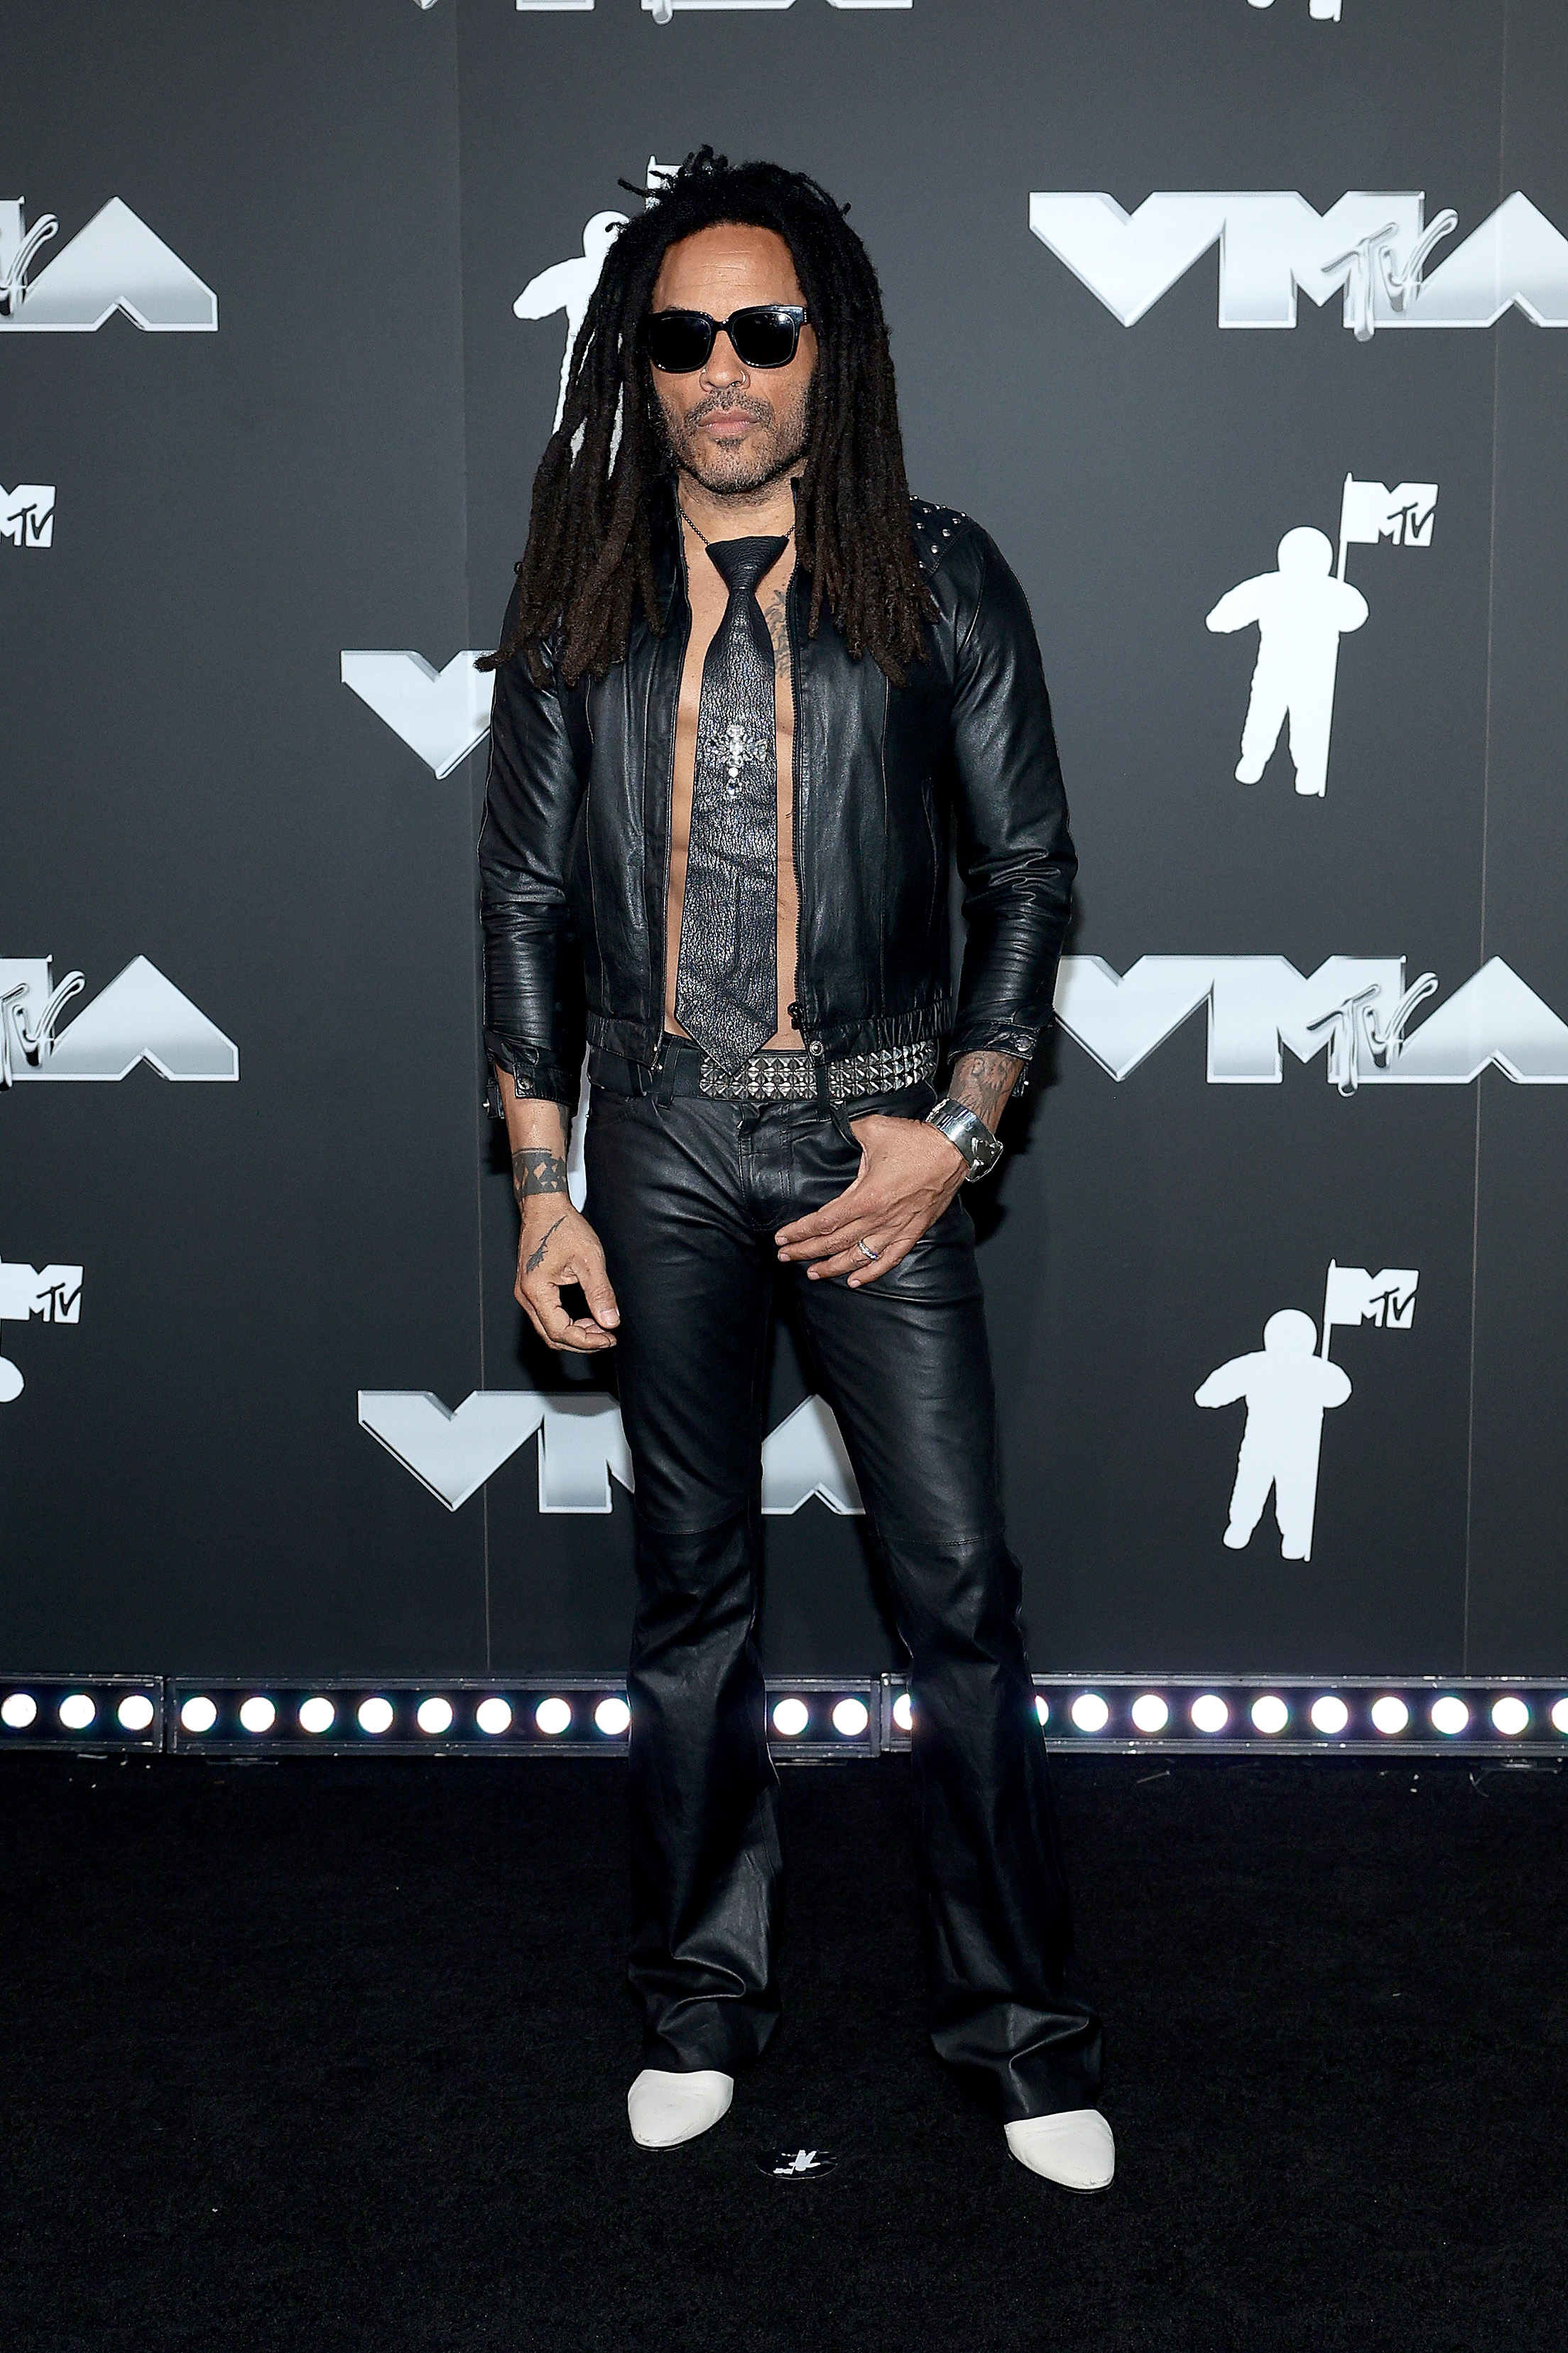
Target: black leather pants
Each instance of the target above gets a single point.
(686, 1196)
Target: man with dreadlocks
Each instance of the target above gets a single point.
(748, 696)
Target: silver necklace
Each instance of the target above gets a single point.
(686, 519)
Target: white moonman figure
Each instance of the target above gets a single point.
(1301, 612)
(569, 286)
(1288, 1389)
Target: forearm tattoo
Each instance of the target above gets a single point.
(535, 1258)
(983, 1082)
(537, 1169)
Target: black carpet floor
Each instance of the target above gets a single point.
(334, 2055)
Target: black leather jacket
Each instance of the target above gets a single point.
(575, 848)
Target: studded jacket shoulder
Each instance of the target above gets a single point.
(890, 784)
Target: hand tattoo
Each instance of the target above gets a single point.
(536, 1169)
(531, 1263)
(983, 1082)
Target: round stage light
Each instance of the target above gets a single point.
(198, 1716)
(493, 1717)
(552, 1717)
(1150, 1712)
(1269, 1714)
(376, 1715)
(1089, 1713)
(1449, 1714)
(18, 1709)
(135, 1711)
(1042, 1707)
(850, 1717)
(791, 1717)
(1209, 1712)
(904, 1712)
(317, 1713)
(1389, 1715)
(1560, 1716)
(613, 1717)
(1329, 1715)
(78, 1710)
(1511, 1715)
(434, 1715)
(258, 1714)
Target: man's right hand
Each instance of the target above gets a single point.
(558, 1247)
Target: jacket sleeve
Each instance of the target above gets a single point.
(1014, 852)
(534, 1018)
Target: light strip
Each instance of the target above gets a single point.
(1354, 1715)
(809, 1719)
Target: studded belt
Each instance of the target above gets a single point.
(788, 1076)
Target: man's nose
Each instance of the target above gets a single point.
(724, 368)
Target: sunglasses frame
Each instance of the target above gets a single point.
(797, 313)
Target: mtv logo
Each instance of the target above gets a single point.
(439, 714)
(583, 1446)
(1386, 1299)
(140, 1017)
(27, 515)
(51, 1295)
(1370, 246)
(115, 263)
(1404, 515)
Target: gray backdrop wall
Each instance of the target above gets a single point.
(273, 410)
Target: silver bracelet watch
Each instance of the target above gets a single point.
(972, 1138)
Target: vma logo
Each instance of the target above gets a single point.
(138, 1018)
(27, 1294)
(582, 1446)
(661, 11)
(115, 263)
(1370, 248)
(1357, 1008)
(27, 515)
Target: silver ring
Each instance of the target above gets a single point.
(865, 1251)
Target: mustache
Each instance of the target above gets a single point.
(759, 411)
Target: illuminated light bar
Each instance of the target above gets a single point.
(812, 1718)
(93, 1712)
(1351, 1714)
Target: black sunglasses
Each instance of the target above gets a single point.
(764, 336)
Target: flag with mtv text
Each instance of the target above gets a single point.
(1371, 510)
(1353, 1296)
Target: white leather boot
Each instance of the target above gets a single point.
(1074, 2148)
(665, 2109)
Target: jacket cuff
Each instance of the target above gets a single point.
(1003, 1038)
(532, 1073)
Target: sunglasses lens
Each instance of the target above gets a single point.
(679, 341)
(764, 339)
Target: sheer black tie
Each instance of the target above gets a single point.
(726, 981)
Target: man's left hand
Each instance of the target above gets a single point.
(909, 1172)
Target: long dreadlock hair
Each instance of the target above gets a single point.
(589, 557)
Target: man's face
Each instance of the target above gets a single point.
(734, 428)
